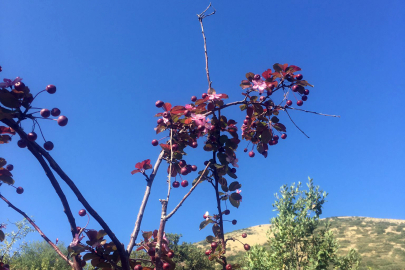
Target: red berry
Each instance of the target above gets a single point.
(262, 98)
(62, 121)
(227, 212)
(246, 246)
(294, 88)
(184, 183)
(298, 77)
(48, 146)
(160, 121)
(244, 235)
(214, 245)
(304, 98)
(194, 168)
(283, 136)
(82, 213)
(193, 98)
(45, 113)
(166, 114)
(187, 113)
(175, 147)
(159, 103)
(306, 92)
(32, 136)
(22, 143)
(289, 103)
(245, 150)
(51, 89)
(152, 251)
(78, 229)
(166, 266)
(275, 138)
(228, 267)
(184, 171)
(194, 144)
(170, 254)
(234, 222)
(200, 128)
(251, 154)
(155, 142)
(256, 77)
(208, 252)
(138, 267)
(19, 86)
(20, 190)
(55, 112)
(176, 184)
(204, 95)
(10, 167)
(182, 163)
(300, 102)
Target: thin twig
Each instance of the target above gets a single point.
(296, 124)
(38, 230)
(188, 194)
(338, 116)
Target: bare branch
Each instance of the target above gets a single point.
(338, 116)
(296, 124)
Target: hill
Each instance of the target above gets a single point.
(381, 242)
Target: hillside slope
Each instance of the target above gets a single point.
(381, 242)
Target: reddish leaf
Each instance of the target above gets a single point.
(292, 69)
(188, 121)
(200, 101)
(159, 114)
(4, 139)
(267, 74)
(165, 147)
(224, 96)
(4, 130)
(140, 248)
(160, 128)
(178, 110)
(167, 106)
(250, 76)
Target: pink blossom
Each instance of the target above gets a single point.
(9, 83)
(189, 107)
(215, 97)
(259, 85)
(233, 161)
(239, 191)
(76, 240)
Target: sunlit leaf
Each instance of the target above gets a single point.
(205, 223)
(167, 106)
(4, 130)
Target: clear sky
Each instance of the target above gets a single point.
(111, 60)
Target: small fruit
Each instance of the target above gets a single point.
(194, 144)
(160, 121)
(214, 245)
(200, 128)
(166, 114)
(166, 266)
(138, 267)
(82, 213)
(193, 98)
(275, 138)
(247, 247)
(304, 98)
(256, 77)
(300, 102)
(78, 229)
(51, 89)
(48, 145)
(170, 254)
(298, 77)
(20, 190)
(227, 212)
(294, 88)
(10, 167)
(228, 267)
(176, 184)
(244, 235)
(251, 154)
(194, 168)
(19, 86)
(62, 121)
(184, 183)
(32, 136)
(152, 251)
(184, 171)
(159, 103)
(289, 102)
(45, 113)
(306, 92)
(22, 143)
(283, 136)
(204, 95)
(262, 98)
(55, 112)
(175, 147)
(182, 163)
(208, 252)
(155, 142)
(234, 222)
(245, 150)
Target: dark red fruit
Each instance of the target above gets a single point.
(19, 86)
(189, 170)
(184, 183)
(289, 102)
(51, 89)
(82, 213)
(245, 150)
(247, 247)
(55, 112)
(62, 120)
(208, 252)
(159, 103)
(204, 95)
(300, 102)
(306, 92)
(214, 245)
(160, 121)
(182, 163)
(78, 229)
(176, 184)
(170, 254)
(166, 266)
(228, 267)
(45, 113)
(275, 138)
(138, 267)
(187, 113)
(194, 144)
(233, 170)
(262, 98)
(166, 114)
(184, 171)
(152, 251)
(32, 136)
(283, 136)
(48, 146)
(294, 88)
(298, 77)
(22, 143)
(244, 235)
(175, 147)
(227, 212)
(10, 167)
(234, 222)
(20, 190)
(155, 142)
(304, 98)
(194, 168)
(251, 154)
(193, 98)
(256, 77)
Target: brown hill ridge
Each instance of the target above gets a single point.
(381, 242)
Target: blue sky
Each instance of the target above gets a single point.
(111, 60)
